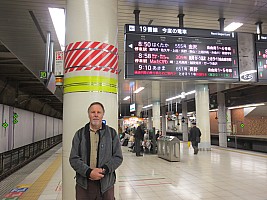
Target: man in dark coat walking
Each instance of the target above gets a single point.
(194, 137)
(138, 136)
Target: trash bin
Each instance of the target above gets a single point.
(169, 148)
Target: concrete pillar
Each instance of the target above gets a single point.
(139, 109)
(185, 124)
(149, 120)
(202, 115)
(91, 64)
(222, 119)
(156, 115)
(228, 122)
(163, 120)
(156, 104)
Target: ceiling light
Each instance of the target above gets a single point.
(214, 110)
(126, 98)
(58, 19)
(172, 98)
(138, 90)
(246, 106)
(191, 92)
(182, 95)
(233, 26)
(150, 105)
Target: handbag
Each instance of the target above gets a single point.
(188, 144)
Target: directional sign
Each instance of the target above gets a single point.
(43, 74)
(5, 125)
(15, 118)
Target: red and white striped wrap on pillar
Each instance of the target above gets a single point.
(90, 55)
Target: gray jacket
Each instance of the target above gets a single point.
(109, 155)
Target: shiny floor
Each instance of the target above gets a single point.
(219, 174)
(211, 175)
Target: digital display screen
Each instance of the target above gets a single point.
(153, 52)
(261, 56)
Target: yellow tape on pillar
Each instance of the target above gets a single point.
(90, 84)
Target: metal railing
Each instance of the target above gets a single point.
(12, 160)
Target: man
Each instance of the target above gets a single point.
(194, 137)
(95, 155)
(138, 136)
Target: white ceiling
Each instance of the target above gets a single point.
(19, 34)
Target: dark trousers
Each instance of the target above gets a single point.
(93, 192)
(195, 146)
(137, 147)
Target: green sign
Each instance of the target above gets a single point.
(242, 125)
(43, 74)
(5, 125)
(15, 116)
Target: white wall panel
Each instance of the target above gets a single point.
(49, 127)
(4, 117)
(56, 121)
(31, 127)
(39, 127)
(23, 130)
(60, 129)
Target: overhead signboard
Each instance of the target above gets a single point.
(132, 107)
(153, 52)
(261, 57)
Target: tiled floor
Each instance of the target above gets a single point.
(218, 174)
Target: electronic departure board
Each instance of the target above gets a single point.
(261, 51)
(154, 52)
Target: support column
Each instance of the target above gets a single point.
(149, 120)
(229, 122)
(138, 109)
(185, 124)
(156, 104)
(163, 120)
(91, 72)
(156, 115)
(202, 115)
(222, 120)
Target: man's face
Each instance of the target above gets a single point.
(96, 114)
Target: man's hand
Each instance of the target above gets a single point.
(96, 174)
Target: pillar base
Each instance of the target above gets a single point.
(223, 139)
(204, 146)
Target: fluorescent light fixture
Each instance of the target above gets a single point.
(126, 98)
(191, 92)
(58, 19)
(213, 110)
(246, 106)
(233, 26)
(138, 90)
(182, 95)
(172, 98)
(190, 113)
(150, 105)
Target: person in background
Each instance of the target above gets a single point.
(95, 155)
(157, 135)
(138, 136)
(194, 137)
